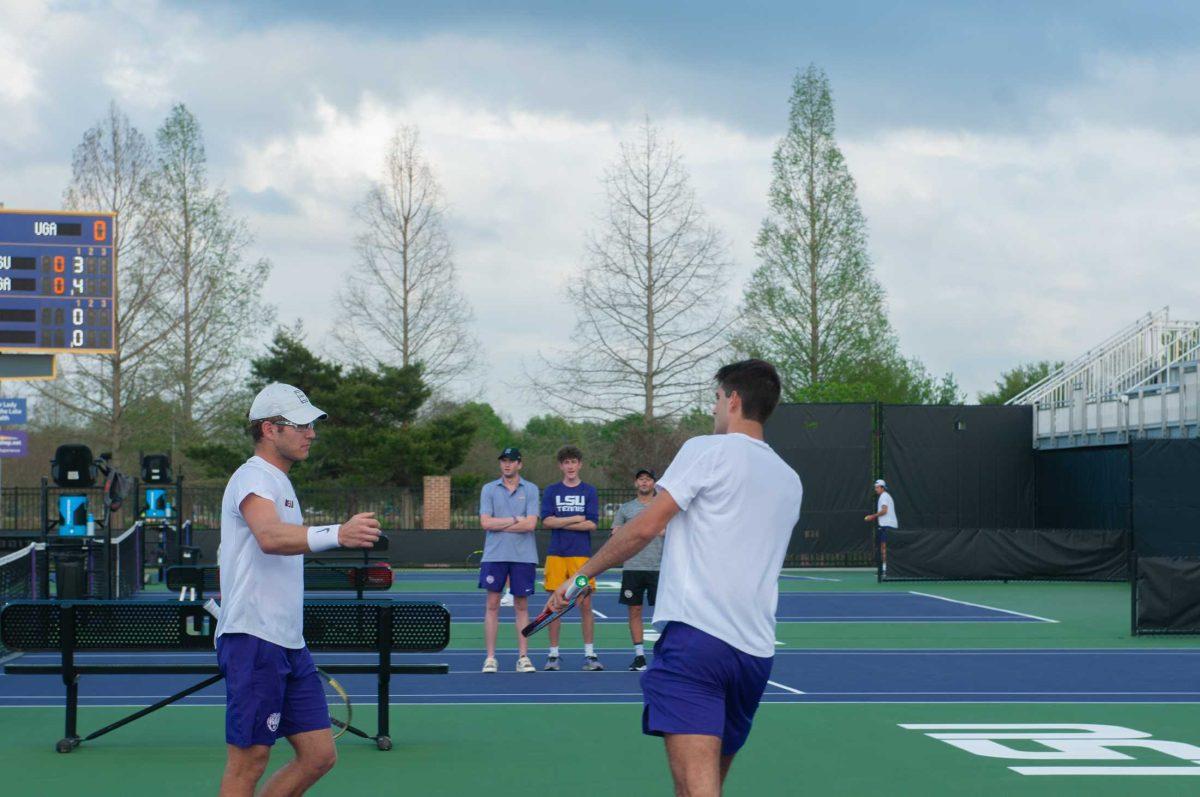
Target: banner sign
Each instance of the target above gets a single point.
(12, 411)
(14, 444)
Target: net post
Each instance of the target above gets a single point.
(109, 568)
(1133, 594)
(44, 563)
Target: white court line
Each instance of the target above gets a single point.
(598, 614)
(982, 606)
(785, 688)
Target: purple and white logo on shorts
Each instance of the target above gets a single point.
(491, 579)
(628, 593)
(273, 722)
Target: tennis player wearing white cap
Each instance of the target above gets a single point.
(271, 685)
(885, 517)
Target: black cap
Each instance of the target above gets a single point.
(646, 471)
(511, 453)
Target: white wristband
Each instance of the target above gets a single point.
(323, 538)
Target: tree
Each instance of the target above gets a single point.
(373, 435)
(403, 305)
(214, 296)
(813, 306)
(1016, 380)
(648, 297)
(111, 172)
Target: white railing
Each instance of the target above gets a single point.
(1137, 355)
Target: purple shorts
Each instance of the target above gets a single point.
(270, 691)
(519, 575)
(698, 684)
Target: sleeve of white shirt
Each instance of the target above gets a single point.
(689, 473)
(254, 481)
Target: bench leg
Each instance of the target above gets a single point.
(383, 740)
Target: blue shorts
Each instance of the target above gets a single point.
(519, 575)
(270, 691)
(698, 684)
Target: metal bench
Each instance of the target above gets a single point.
(384, 627)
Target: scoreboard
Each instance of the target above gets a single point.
(57, 282)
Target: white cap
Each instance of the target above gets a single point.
(881, 483)
(280, 400)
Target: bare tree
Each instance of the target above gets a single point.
(649, 296)
(403, 305)
(214, 296)
(110, 172)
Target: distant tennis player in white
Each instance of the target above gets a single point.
(728, 504)
(272, 688)
(885, 516)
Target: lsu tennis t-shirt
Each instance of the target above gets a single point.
(723, 551)
(559, 500)
(888, 521)
(261, 594)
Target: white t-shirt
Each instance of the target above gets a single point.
(261, 594)
(723, 552)
(889, 520)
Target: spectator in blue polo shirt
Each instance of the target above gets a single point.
(508, 512)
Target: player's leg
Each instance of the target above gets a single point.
(521, 578)
(491, 624)
(315, 756)
(244, 766)
(632, 592)
(255, 677)
(492, 577)
(305, 724)
(556, 574)
(587, 619)
(726, 763)
(695, 762)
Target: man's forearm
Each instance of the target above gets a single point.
(282, 539)
(555, 522)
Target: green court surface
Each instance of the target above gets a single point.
(801, 743)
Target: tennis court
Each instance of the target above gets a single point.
(871, 685)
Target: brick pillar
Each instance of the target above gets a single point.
(436, 511)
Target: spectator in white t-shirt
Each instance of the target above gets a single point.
(272, 688)
(728, 504)
(884, 517)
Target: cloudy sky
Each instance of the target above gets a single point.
(1030, 171)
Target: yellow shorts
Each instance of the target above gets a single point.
(561, 568)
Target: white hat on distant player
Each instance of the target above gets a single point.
(881, 483)
(280, 400)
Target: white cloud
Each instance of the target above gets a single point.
(995, 248)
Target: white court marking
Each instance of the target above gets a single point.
(982, 606)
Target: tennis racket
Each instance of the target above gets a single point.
(340, 710)
(580, 588)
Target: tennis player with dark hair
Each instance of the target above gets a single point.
(571, 509)
(728, 504)
(272, 688)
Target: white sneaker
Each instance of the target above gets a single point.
(490, 665)
(525, 665)
(506, 599)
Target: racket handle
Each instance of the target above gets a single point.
(577, 585)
